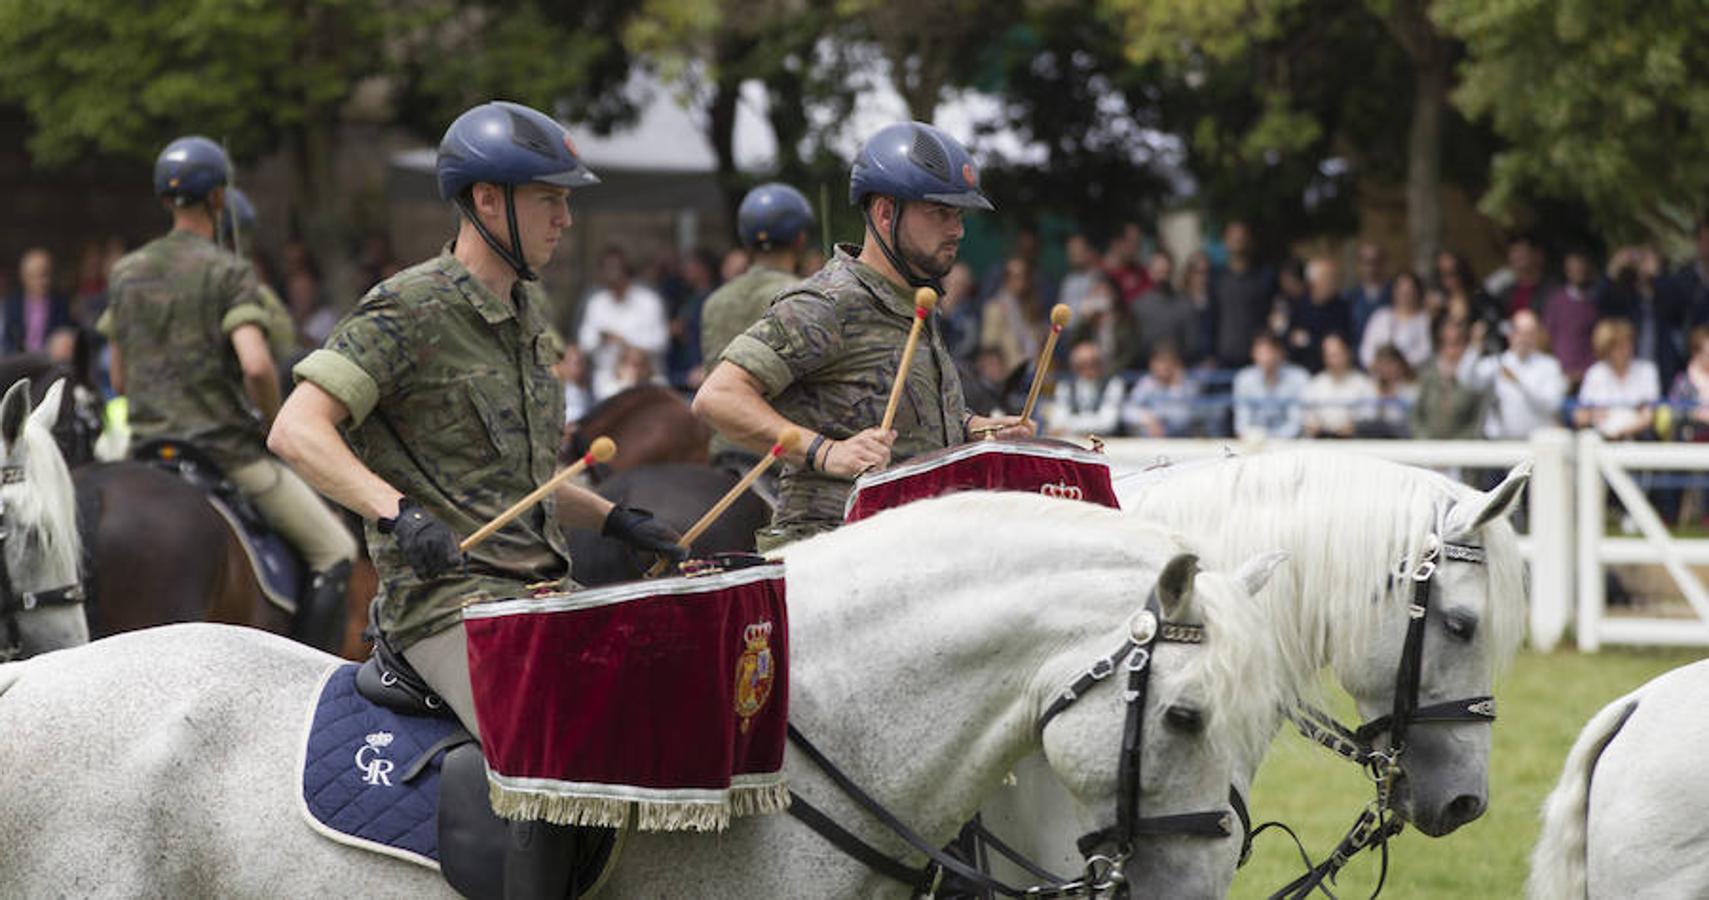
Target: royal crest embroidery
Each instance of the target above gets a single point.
(375, 770)
(1062, 491)
(755, 670)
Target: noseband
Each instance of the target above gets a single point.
(13, 603)
(1375, 826)
(1103, 870)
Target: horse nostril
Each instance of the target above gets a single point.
(1463, 809)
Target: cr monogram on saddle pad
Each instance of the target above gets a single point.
(1054, 469)
(668, 696)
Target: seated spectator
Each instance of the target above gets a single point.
(1105, 320)
(1397, 391)
(1569, 315)
(1465, 301)
(985, 384)
(572, 370)
(1085, 270)
(1448, 409)
(1403, 323)
(1166, 315)
(1241, 296)
(620, 315)
(1336, 398)
(634, 368)
(1088, 402)
(1637, 293)
(1267, 393)
(1689, 395)
(1372, 291)
(1620, 392)
(1121, 263)
(1321, 313)
(958, 313)
(1163, 402)
(1525, 383)
(36, 310)
(1013, 319)
(1521, 284)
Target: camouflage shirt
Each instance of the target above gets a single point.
(452, 401)
(174, 303)
(730, 311)
(826, 353)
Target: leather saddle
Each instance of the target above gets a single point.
(473, 841)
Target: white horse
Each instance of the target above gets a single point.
(1346, 521)
(1627, 818)
(925, 644)
(41, 603)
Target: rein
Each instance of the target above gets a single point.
(1103, 872)
(1376, 824)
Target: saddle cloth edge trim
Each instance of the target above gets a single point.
(303, 804)
(286, 604)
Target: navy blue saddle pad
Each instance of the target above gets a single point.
(370, 776)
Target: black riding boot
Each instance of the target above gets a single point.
(540, 861)
(320, 610)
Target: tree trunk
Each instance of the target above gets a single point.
(1424, 161)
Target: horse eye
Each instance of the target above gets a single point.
(1460, 627)
(1184, 718)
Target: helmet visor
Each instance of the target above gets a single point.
(964, 200)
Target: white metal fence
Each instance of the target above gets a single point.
(1567, 547)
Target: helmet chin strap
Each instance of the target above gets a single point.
(893, 249)
(513, 253)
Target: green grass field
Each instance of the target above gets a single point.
(1543, 701)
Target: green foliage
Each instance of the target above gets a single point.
(1602, 100)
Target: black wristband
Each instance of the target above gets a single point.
(813, 450)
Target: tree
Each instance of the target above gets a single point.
(1194, 39)
(123, 78)
(1603, 102)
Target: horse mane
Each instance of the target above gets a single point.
(1243, 676)
(1346, 520)
(42, 514)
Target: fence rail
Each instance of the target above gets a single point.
(1568, 547)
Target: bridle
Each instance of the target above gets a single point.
(1375, 825)
(1103, 871)
(13, 603)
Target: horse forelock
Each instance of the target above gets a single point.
(1347, 521)
(44, 548)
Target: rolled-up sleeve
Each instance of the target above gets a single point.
(366, 358)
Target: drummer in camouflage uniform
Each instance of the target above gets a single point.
(188, 326)
(823, 357)
(441, 382)
(774, 223)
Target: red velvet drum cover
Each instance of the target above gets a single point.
(1039, 467)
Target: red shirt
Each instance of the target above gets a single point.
(1131, 281)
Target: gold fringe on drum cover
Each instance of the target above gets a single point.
(649, 815)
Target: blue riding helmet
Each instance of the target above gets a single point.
(915, 161)
(189, 169)
(506, 144)
(238, 217)
(772, 216)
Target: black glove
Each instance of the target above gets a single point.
(428, 545)
(638, 528)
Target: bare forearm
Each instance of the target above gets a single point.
(579, 507)
(263, 391)
(732, 403)
(315, 449)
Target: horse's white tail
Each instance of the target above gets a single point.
(1558, 861)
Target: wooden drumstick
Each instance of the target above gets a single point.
(924, 299)
(787, 440)
(602, 449)
(1059, 316)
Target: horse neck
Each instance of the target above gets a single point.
(924, 678)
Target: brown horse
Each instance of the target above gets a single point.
(651, 424)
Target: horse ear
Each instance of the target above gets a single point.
(1255, 572)
(1175, 585)
(47, 412)
(14, 409)
(1469, 516)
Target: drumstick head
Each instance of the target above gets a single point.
(925, 298)
(602, 449)
(789, 439)
(1060, 314)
